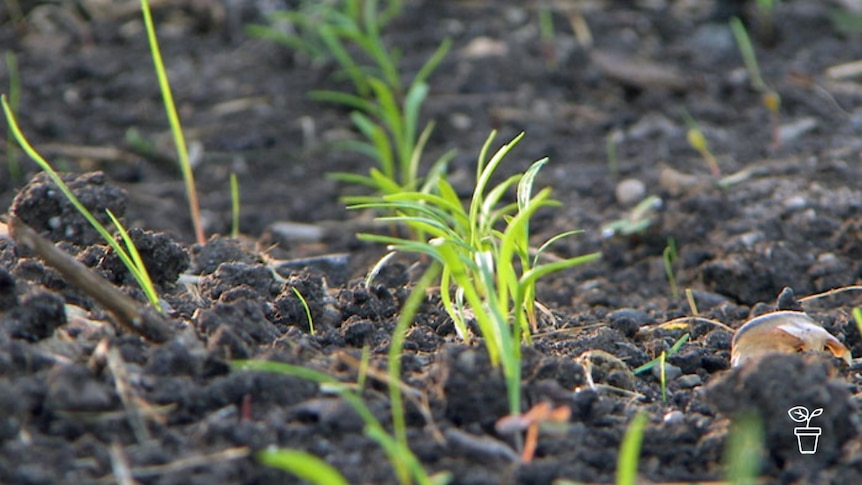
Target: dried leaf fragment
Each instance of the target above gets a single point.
(783, 332)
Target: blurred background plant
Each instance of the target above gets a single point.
(384, 109)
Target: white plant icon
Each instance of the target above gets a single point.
(800, 414)
(807, 437)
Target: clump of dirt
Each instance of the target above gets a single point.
(774, 386)
(43, 206)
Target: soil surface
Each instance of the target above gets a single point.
(84, 399)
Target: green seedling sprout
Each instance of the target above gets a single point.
(749, 58)
(630, 450)
(234, 206)
(857, 317)
(176, 127)
(674, 349)
(14, 102)
(306, 308)
(663, 375)
(744, 450)
(396, 401)
(484, 250)
(303, 465)
(138, 269)
(129, 256)
(846, 22)
(637, 221)
(766, 20)
(547, 36)
(697, 140)
(390, 132)
(407, 468)
(362, 373)
(395, 452)
(386, 117)
(611, 150)
(771, 99)
(670, 255)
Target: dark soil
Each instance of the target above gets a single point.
(84, 401)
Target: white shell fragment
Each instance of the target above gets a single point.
(782, 332)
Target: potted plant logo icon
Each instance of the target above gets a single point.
(807, 437)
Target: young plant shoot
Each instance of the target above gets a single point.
(176, 127)
(128, 255)
(484, 250)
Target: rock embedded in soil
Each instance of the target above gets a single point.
(629, 320)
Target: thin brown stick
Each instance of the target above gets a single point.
(127, 395)
(831, 292)
(130, 314)
(182, 464)
(120, 465)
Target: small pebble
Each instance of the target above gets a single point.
(689, 381)
(484, 47)
(629, 320)
(674, 417)
(630, 191)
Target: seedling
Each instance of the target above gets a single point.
(638, 220)
(325, 30)
(385, 115)
(547, 36)
(399, 456)
(663, 375)
(176, 127)
(396, 403)
(407, 467)
(674, 349)
(766, 20)
(484, 251)
(630, 450)
(744, 450)
(306, 308)
(303, 465)
(857, 317)
(611, 150)
(670, 256)
(12, 164)
(697, 140)
(234, 206)
(129, 256)
(771, 100)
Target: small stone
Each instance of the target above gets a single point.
(674, 417)
(630, 192)
(484, 47)
(689, 381)
(787, 300)
(629, 320)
